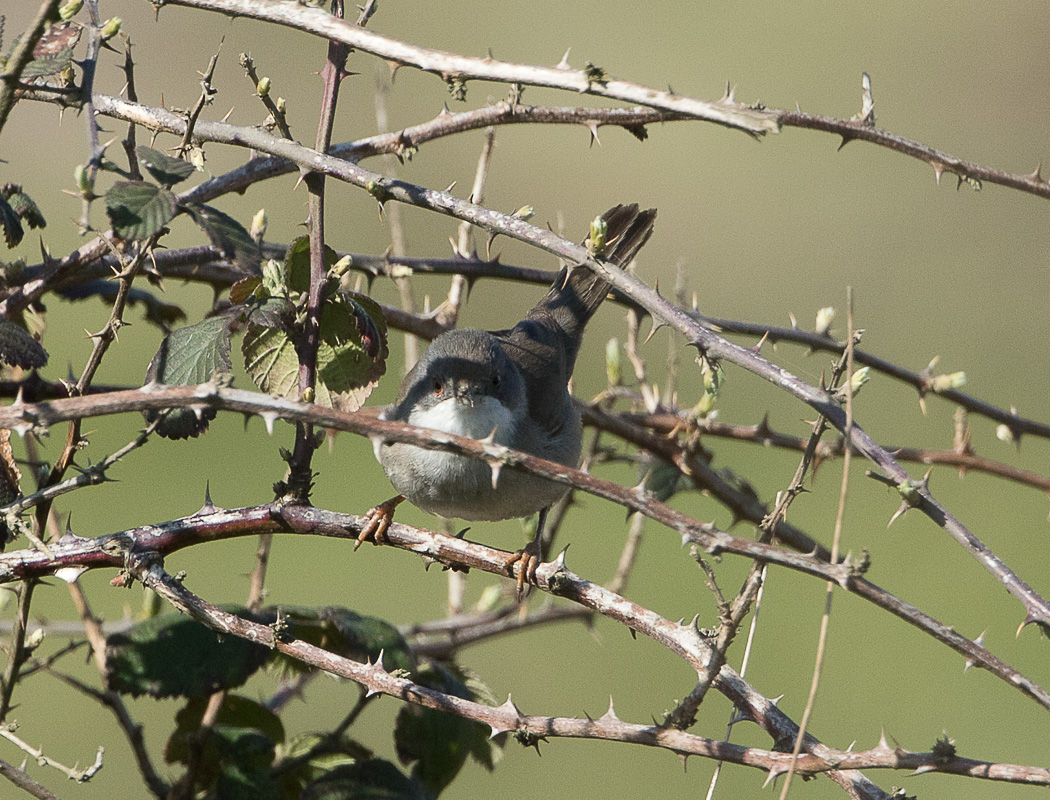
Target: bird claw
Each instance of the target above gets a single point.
(377, 520)
(528, 560)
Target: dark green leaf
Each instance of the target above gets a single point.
(23, 205)
(11, 224)
(346, 633)
(375, 779)
(236, 782)
(18, 347)
(186, 357)
(274, 312)
(435, 743)
(166, 170)
(329, 753)
(137, 209)
(177, 656)
(661, 479)
(228, 236)
(297, 264)
(161, 314)
(236, 712)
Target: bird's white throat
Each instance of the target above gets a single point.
(477, 420)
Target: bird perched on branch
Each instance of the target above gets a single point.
(512, 386)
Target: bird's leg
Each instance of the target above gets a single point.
(529, 557)
(377, 520)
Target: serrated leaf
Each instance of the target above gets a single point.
(174, 655)
(435, 743)
(244, 288)
(23, 205)
(352, 354)
(188, 356)
(48, 65)
(345, 633)
(228, 236)
(137, 209)
(161, 314)
(18, 348)
(375, 779)
(11, 224)
(166, 170)
(270, 361)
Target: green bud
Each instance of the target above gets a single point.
(490, 597)
(943, 383)
(308, 394)
(340, 267)
(70, 9)
(85, 184)
(281, 105)
(111, 28)
(263, 87)
(525, 212)
(197, 158)
(859, 378)
(259, 223)
(824, 319)
(596, 241)
(612, 362)
(909, 490)
(1004, 433)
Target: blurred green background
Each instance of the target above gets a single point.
(761, 230)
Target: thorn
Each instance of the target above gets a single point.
(1037, 175)
(685, 761)
(904, 506)
(757, 349)
(610, 715)
(593, 128)
(509, 706)
(564, 63)
(846, 139)
(559, 562)
(772, 776)
(496, 467)
(938, 169)
(268, 417)
(450, 187)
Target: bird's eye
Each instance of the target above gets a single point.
(438, 388)
(495, 381)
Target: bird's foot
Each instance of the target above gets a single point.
(527, 559)
(377, 520)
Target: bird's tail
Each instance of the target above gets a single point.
(578, 292)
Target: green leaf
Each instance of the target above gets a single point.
(23, 205)
(137, 209)
(174, 655)
(273, 312)
(345, 633)
(48, 65)
(18, 347)
(236, 711)
(436, 743)
(11, 224)
(188, 356)
(330, 753)
(375, 779)
(228, 236)
(271, 361)
(297, 263)
(353, 350)
(166, 170)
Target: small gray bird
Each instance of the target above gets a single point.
(512, 385)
